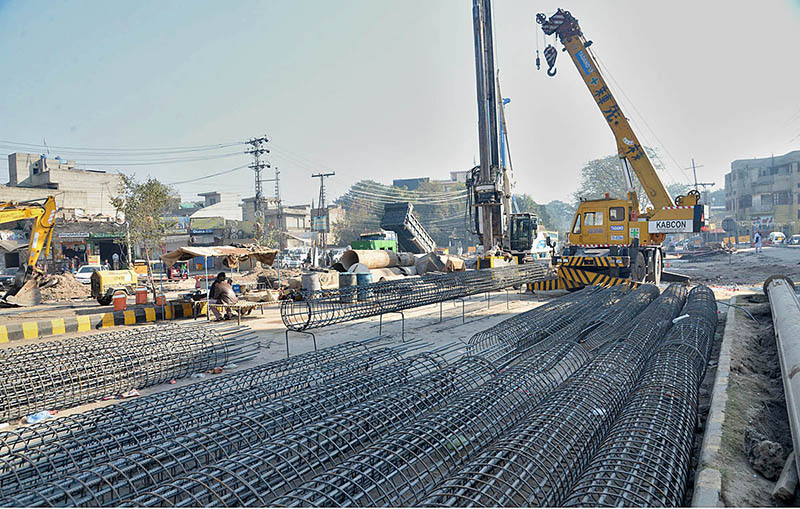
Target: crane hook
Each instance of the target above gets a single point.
(550, 55)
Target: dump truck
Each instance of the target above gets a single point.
(412, 237)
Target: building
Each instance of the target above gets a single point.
(410, 184)
(764, 194)
(79, 192)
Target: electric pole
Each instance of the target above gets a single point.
(321, 205)
(278, 205)
(258, 149)
(697, 184)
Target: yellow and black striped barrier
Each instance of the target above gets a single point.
(85, 323)
(570, 278)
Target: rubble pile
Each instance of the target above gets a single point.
(63, 287)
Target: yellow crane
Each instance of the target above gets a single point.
(611, 240)
(25, 288)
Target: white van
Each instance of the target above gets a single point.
(776, 238)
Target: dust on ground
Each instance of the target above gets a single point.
(744, 268)
(756, 404)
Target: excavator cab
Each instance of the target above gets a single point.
(523, 231)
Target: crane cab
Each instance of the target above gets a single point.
(605, 223)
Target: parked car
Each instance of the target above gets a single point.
(794, 240)
(7, 276)
(84, 273)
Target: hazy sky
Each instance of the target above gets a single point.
(386, 89)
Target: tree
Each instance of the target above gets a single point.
(143, 205)
(524, 203)
(561, 214)
(601, 176)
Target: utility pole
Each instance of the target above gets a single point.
(697, 184)
(322, 206)
(279, 206)
(258, 149)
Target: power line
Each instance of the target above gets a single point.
(223, 172)
(109, 149)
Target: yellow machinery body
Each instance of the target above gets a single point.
(25, 291)
(105, 283)
(616, 228)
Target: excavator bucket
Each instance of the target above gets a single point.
(27, 295)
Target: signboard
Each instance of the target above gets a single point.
(73, 235)
(202, 231)
(106, 235)
(671, 226)
(319, 220)
(93, 259)
(206, 223)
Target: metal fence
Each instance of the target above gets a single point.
(328, 307)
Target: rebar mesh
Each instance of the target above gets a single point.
(399, 469)
(535, 463)
(328, 307)
(253, 476)
(122, 477)
(38, 453)
(535, 324)
(645, 459)
(63, 373)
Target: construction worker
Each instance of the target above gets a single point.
(758, 241)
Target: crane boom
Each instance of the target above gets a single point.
(631, 153)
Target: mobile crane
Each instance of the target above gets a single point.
(611, 240)
(24, 290)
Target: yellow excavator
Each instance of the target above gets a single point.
(24, 290)
(611, 240)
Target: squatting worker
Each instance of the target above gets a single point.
(213, 295)
(225, 295)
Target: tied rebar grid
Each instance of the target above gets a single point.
(110, 482)
(399, 469)
(33, 455)
(64, 373)
(328, 307)
(536, 462)
(645, 459)
(535, 324)
(257, 474)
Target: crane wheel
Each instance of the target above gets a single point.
(638, 268)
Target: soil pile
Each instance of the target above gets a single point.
(62, 287)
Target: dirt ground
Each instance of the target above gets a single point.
(741, 270)
(756, 403)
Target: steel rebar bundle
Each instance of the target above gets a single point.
(535, 324)
(399, 469)
(645, 458)
(255, 475)
(536, 462)
(110, 482)
(39, 453)
(64, 373)
(327, 307)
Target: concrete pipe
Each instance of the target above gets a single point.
(786, 320)
(377, 258)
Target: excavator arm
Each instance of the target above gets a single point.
(631, 152)
(26, 291)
